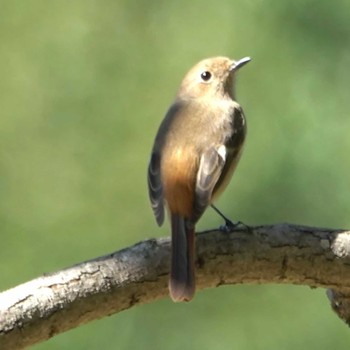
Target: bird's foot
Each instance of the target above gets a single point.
(229, 225)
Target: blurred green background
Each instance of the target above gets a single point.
(84, 85)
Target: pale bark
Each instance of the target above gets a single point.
(282, 253)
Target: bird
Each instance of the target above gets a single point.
(195, 152)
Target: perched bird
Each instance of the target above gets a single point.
(195, 152)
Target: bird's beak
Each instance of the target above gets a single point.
(240, 63)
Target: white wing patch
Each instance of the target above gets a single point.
(222, 152)
(211, 163)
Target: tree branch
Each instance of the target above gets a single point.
(282, 253)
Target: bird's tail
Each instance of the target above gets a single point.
(182, 280)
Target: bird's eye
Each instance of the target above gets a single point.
(206, 76)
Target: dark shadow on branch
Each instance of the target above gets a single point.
(282, 253)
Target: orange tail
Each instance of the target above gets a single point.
(182, 280)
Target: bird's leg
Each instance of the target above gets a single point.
(229, 225)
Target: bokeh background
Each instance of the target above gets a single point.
(83, 87)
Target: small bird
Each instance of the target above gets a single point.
(195, 153)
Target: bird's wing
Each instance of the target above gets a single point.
(155, 188)
(210, 168)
